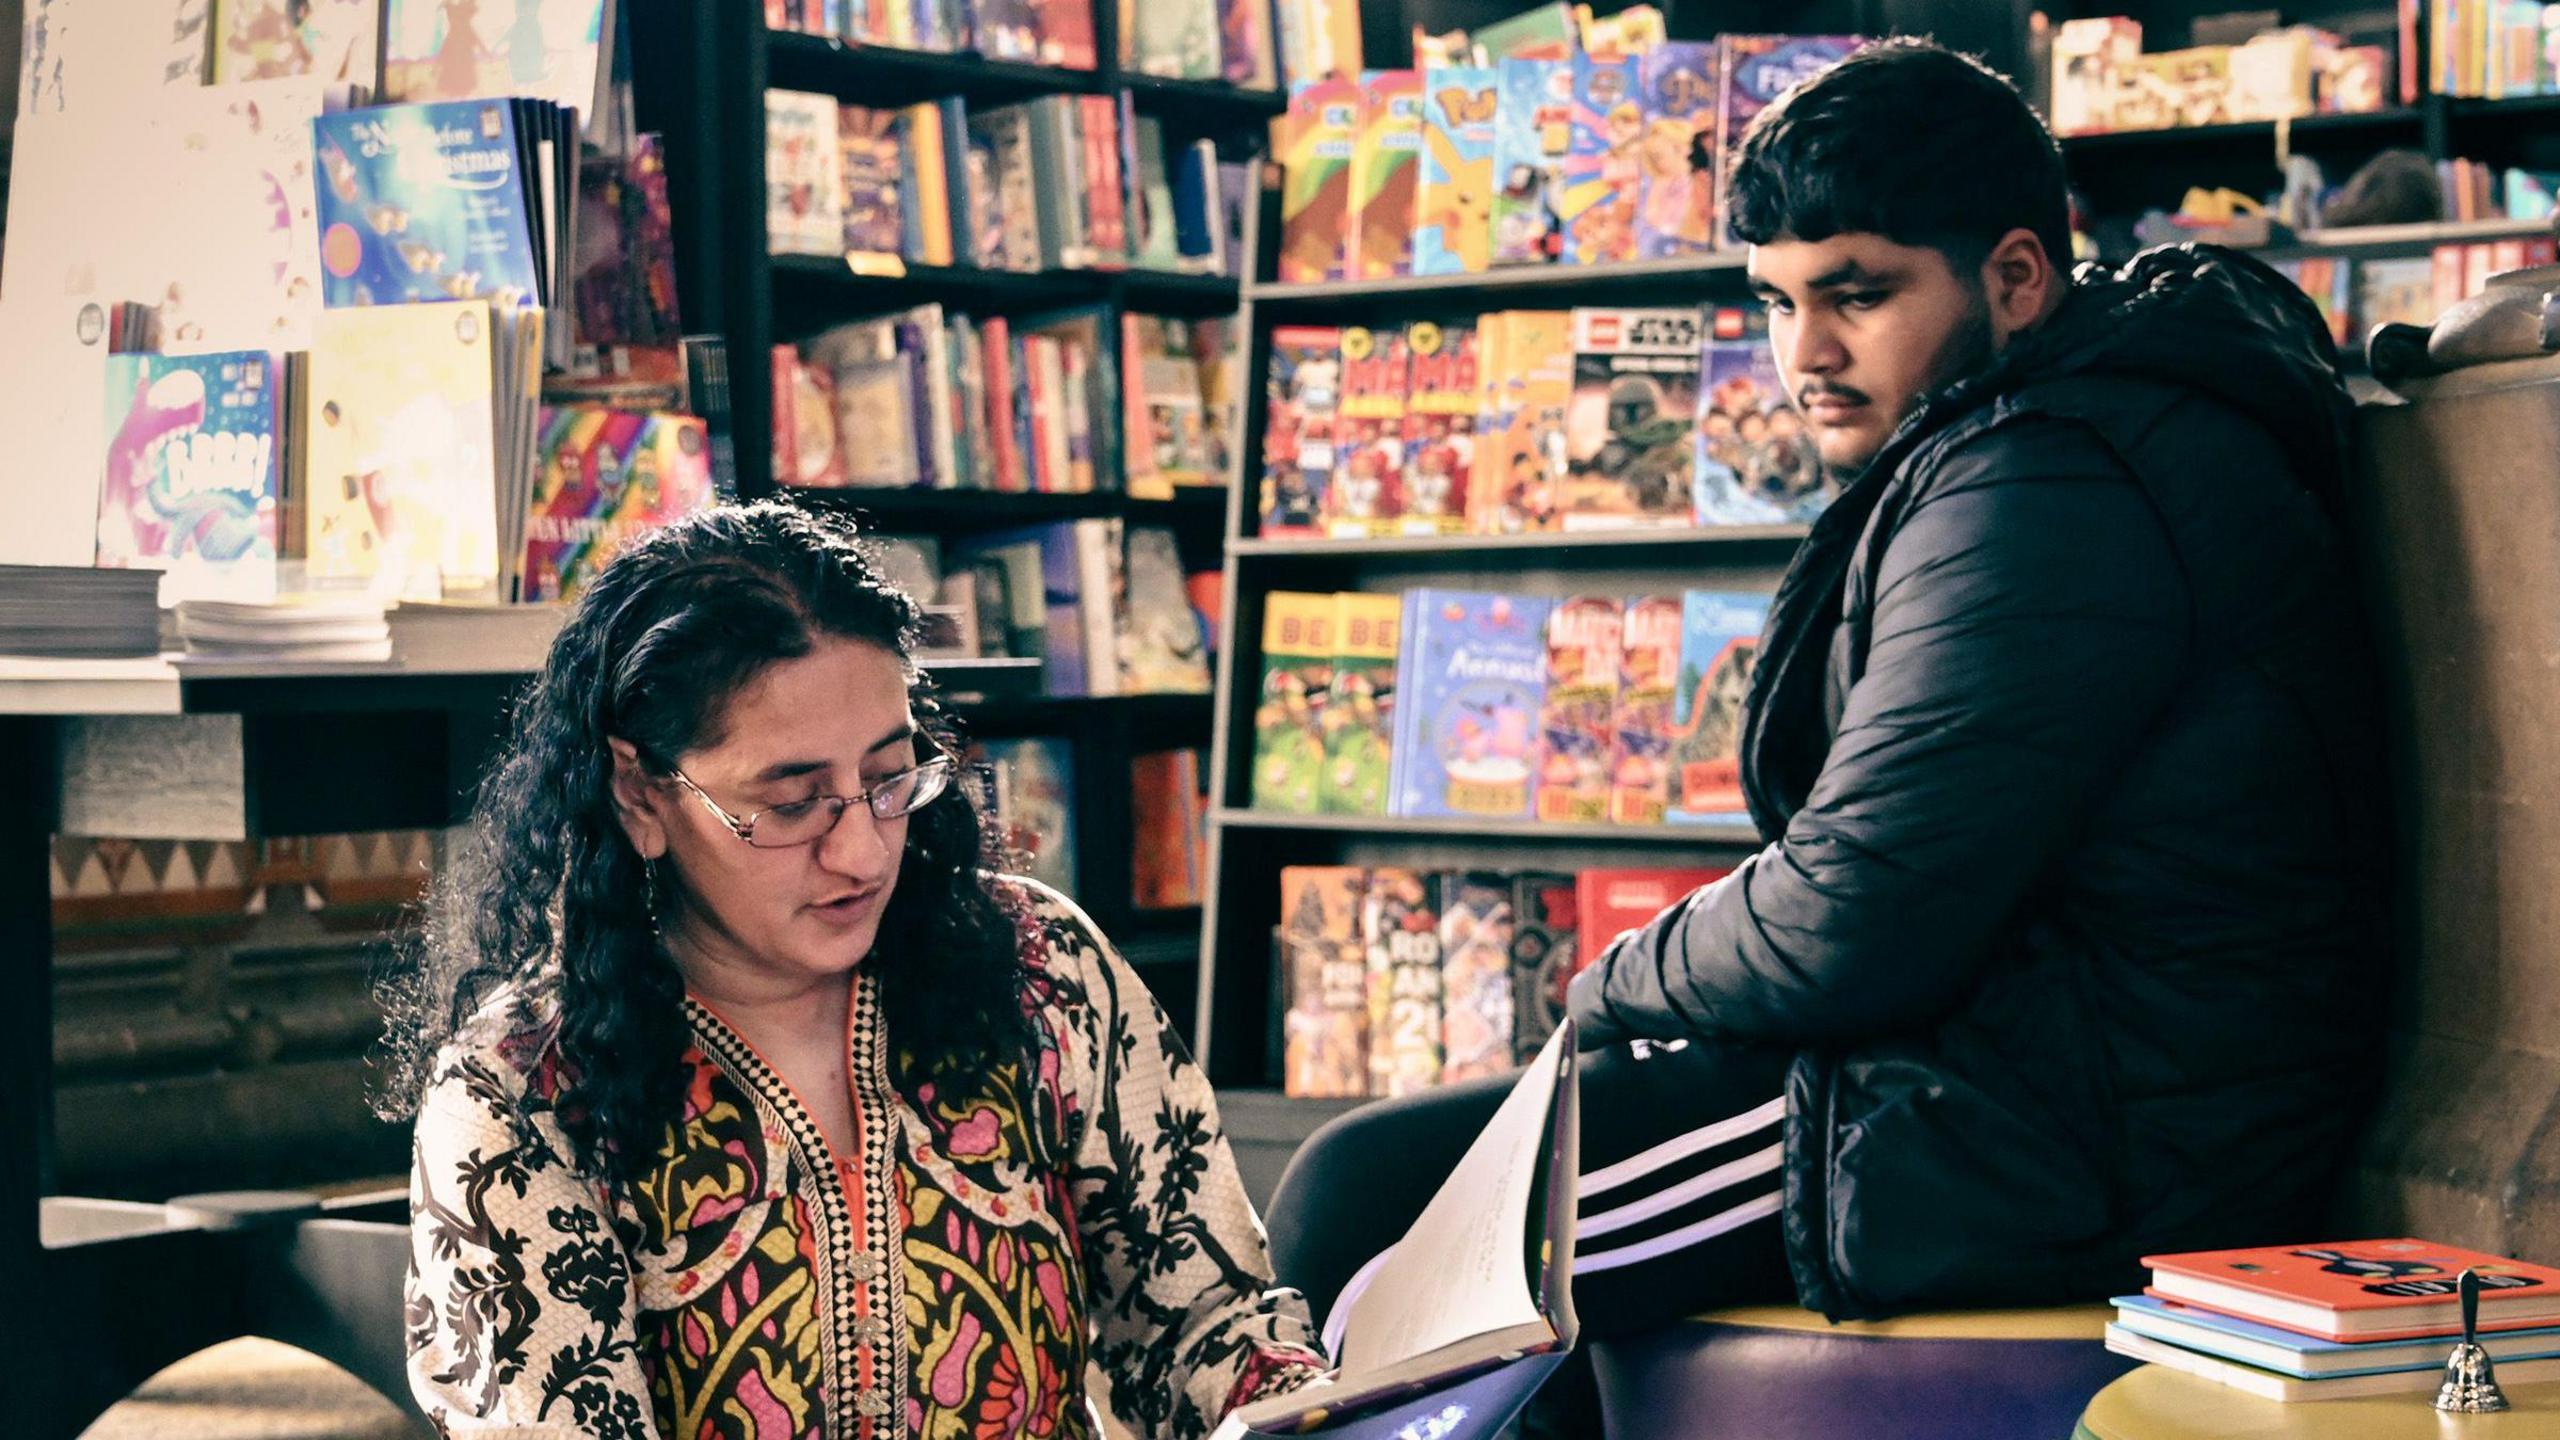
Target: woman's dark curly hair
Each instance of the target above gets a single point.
(550, 901)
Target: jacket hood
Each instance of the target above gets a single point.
(2197, 316)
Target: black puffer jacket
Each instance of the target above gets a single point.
(2064, 742)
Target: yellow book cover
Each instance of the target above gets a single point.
(1524, 456)
(932, 184)
(402, 480)
(1358, 720)
(1297, 674)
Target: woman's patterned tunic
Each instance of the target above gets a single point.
(946, 1278)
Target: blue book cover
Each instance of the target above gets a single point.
(1598, 207)
(1755, 463)
(1469, 688)
(1532, 132)
(2308, 1357)
(1719, 641)
(424, 203)
(191, 472)
(1676, 171)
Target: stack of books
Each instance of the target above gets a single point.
(347, 629)
(2337, 1321)
(69, 613)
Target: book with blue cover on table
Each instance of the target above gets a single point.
(427, 202)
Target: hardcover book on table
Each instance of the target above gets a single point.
(400, 420)
(2359, 1289)
(193, 472)
(430, 202)
(2306, 1357)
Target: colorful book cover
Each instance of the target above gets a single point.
(1477, 1024)
(1520, 445)
(1297, 681)
(1609, 903)
(1532, 136)
(1315, 145)
(1004, 29)
(1627, 433)
(1161, 648)
(1719, 641)
(1755, 464)
(192, 472)
(1164, 819)
(248, 276)
(1367, 492)
(478, 49)
(1173, 38)
(1386, 165)
(1302, 408)
(2358, 1289)
(430, 202)
(1030, 793)
(1358, 722)
(1160, 374)
(1453, 203)
(399, 420)
(1319, 40)
(1640, 727)
(1680, 82)
(2395, 291)
(874, 171)
(626, 283)
(1400, 930)
(1439, 427)
(605, 478)
(334, 41)
(1468, 694)
(1545, 33)
(1760, 68)
(1543, 946)
(1324, 976)
(1602, 165)
(1248, 53)
(1066, 33)
(1583, 650)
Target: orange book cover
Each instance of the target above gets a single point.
(2358, 1289)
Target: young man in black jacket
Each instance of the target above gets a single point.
(2062, 947)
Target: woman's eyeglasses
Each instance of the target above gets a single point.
(801, 822)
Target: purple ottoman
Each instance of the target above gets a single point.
(1780, 1373)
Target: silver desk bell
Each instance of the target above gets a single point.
(2470, 1380)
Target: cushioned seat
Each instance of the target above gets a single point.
(2154, 1403)
(1780, 1373)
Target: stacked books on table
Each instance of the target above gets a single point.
(71, 613)
(2337, 1321)
(298, 629)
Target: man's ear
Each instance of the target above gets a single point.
(634, 792)
(2020, 282)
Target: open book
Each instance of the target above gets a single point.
(1468, 1314)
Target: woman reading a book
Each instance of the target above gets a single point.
(749, 1100)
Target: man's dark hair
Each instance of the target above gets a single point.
(1908, 140)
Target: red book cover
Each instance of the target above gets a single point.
(1610, 902)
(995, 346)
(786, 451)
(1109, 227)
(2358, 1289)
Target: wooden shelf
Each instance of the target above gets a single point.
(813, 292)
(1531, 830)
(2314, 128)
(883, 75)
(1550, 545)
(1638, 282)
(2416, 239)
(947, 511)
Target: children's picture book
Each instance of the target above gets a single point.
(1177, 39)
(1719, 640)
(1030, 791)
(1439, 427)
(1543, 947)
(1680, 82)
(625, 287)
(193, 471)
(398, 448)
(1358, 722)
(1302, 410)
(1400, 925)
(2287, 1352)
(1468, 696)
(1386, 157)
(433, 202)
(1471, 1310)
(1165, 854)
(333, 41)
(1161, 386)
(606, 478)
(1582, 692)
(1297, 679)
(1521, 461)
(248, 276)
(1640, 727)
(1161, 648)
(1314, 145)
(1760, 68)
(872, 166)
(479, 49)
(1602, 162)
(1755, 462)
(1476, 1026)
(1324, 974)
(1248, 51)
(1532, 138)
(1367, 495)
(804, 174)
(1608, 903)
(1319, 41)
(2400, 1289)
(1627, 433)
(1453, 204)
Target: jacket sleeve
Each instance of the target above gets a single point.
(519, 1299)
(2031, 620)
(1189, 1322)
